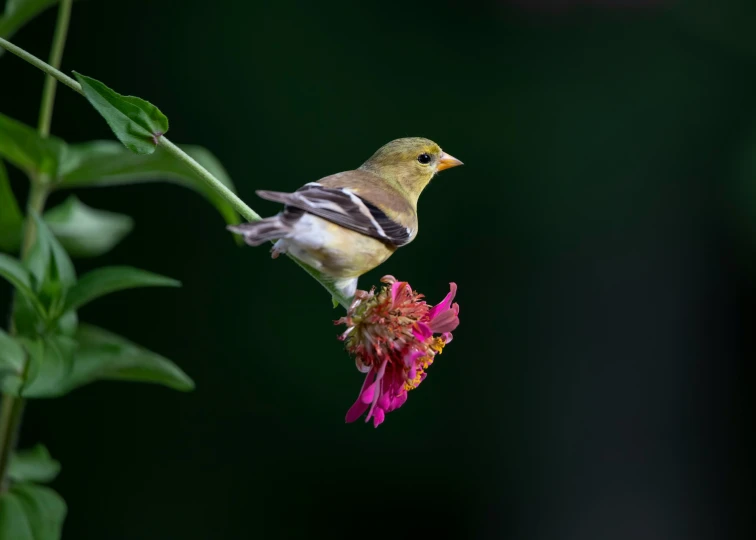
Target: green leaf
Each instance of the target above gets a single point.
(14, 271)
(33, 465)
(29, 316)
(84, 231)
(11, 219)
(48, 262)
(110, 279)
(67, 324)
(137, 123)
(23, 146)
(14, 523)
(28, 305)
(11, 355)
(59, 364)
(104, 355)
(18, 13)
(30, 512)
(107, 163)
(50, 366)
(12, 359)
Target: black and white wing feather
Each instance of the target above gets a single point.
(343, 207)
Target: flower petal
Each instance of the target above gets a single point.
(377, 390)
(422, 331)
(384, 402)
(396, 289)
(356, 410)
(398, 401)
(445, 303)
(446, 321)
(367, 395)
(378, 417)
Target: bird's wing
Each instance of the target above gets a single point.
(343, 207)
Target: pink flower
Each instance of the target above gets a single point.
(392, 336)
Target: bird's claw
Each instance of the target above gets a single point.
(359, 297)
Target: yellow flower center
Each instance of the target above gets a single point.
(423, 364)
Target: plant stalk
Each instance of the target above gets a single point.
(215, 184)
(12, 407)
(56, 56)
(10, 415)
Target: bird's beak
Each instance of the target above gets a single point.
(447, 162)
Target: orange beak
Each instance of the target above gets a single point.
(447, 162)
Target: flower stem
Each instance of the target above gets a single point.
(239, 205)
(37, 199)
(10, 418)
(56, 55)
(12, 407)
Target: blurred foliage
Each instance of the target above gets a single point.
(19, 12)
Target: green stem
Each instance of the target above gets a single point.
(10, 417)
(215, 184)
(56, 55)
(12, 407)
(37, 199)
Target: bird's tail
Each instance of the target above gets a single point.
(265, 230)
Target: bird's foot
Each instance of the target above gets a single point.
(278, 248)
(359, 297)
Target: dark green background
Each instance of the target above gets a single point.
(601, 234)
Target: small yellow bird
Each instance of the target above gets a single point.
(348, 223)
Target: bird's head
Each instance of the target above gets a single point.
(409, 163)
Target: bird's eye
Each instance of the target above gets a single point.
(424, 159)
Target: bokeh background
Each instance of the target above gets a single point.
(602, 233)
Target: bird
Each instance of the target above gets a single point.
(348, 223)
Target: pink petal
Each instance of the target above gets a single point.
(446, 321)
(379, 417)
(356, 410)
(398, 401)
(422, 331)
(411, 357)
(367, 395)
(444, 304)
(384, 401)
(376, 394)
(396, 290)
